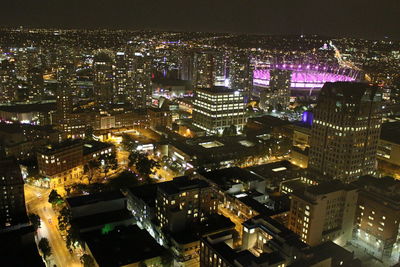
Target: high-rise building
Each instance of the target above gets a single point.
(8, 81)
(323, 212)
(345, 131)
(35, 83)
(139, 84)
(103, 77)
(277, 95)
(12, 199)
(182, 202)
(218, 108)
(203, 74)
(241, 73)
(120, 77)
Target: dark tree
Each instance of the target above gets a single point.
(44, 247)
(108, 162)
(87, 260)
(143, 165)
(125, 179)
(89, 133)
(35, 220)
(128, 143)
(55, 198)
(64, 218)
(90, 168)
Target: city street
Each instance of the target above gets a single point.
(37, 202)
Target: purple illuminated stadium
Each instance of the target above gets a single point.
(306, 76)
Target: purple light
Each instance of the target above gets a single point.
(305, 78)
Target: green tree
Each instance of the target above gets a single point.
(44, 247)
(90, 168)
(35, 220)
(124, 180)
(89, 133)
(108, 162)
(230, 131)
(87, 260)
(143, 165)
(72, 237)
(64, 218)
(55, 198)
(128, 143)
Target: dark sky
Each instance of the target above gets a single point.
(359, 18)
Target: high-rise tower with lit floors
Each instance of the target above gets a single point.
(345, 131)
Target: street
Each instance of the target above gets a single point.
(36, 202)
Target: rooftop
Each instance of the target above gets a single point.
(94, 198)
(390, 131)
(216, 90)
(100, 219)
(122, 246)
(228, 176)
(181, 184)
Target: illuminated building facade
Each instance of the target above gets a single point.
(345, 130)
(182, 202)
(139, 84)
(218, 108)
(277, 96)
(323, 212)
(377, 215)
(241, 73)
(61, 163)
(204, 65)
(103, 77)
(8, 81)
(12, 199)
(120, 77)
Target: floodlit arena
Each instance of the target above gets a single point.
(306, 76)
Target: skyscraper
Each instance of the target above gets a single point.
(35, 83)
(203, 70)
(277, 95)
(139, 92)
(12, 199)
(241, 73)
(103, 77)
(120, 77)
(345, 131)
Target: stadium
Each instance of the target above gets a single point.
(306, 77)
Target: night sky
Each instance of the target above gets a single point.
(358, 18)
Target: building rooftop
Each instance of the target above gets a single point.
(217, 90)
(100, 219)
(147, 193)
(122, 246)
(181, 184)
(94, 198)
(67, 144)
(224, 178)
(390, 131)
(93, 146)
(25, 108)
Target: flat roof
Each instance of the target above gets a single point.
(94, 198)
(390, 131)
(122, 246)
(181, 184)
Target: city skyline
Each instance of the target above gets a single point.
(340, 18)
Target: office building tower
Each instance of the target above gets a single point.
(120, 77)
(323, 212)
(186, 66)
(218, 108)
(103, 77)
(12, 199)
(241, 73)
(345, 131)
(8, 81)
(35, 83)
(65, 86)
(139, 80)
(203, 74)
(182, 202)
(277, 95)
